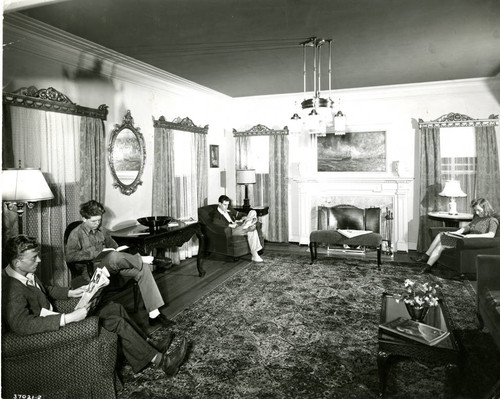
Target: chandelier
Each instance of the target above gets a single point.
(317, 112)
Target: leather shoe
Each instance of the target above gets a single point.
(257, 259)
(163, 345)
(171, 362)
(161, 321)
(162, 264)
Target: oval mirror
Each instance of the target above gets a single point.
(127, 155)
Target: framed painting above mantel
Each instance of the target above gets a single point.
(353, 152)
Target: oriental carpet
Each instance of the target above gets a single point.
(287, 329)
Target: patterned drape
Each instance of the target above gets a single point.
(180, 184)
(488, 175)
(430, 186)
(164, 198)
(278, 190)
(92, 159)
(242, 162)
(200, 144)
(50, 141)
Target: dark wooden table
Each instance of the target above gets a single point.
(448, 352)
(140, 239)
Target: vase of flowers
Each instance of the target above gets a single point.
(418, 298)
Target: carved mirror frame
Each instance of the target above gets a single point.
(127, 124)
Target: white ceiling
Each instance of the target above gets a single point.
(251, 47)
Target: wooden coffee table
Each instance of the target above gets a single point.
(448, 352)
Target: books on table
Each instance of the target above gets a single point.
(353, 233)
(414, 330)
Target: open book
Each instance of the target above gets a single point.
(99, 280)
(414, 330)
(454, 234)
(353, 233)
(106, 251)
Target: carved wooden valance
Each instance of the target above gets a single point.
(184, 124)
(260, 130)
(51, 100)
(459, 120)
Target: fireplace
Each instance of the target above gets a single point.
(386, 193)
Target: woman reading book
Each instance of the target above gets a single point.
(483, 224)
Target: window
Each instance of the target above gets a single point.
(459, 161)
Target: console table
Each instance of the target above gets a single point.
(141, 240)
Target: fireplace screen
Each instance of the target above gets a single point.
(352, 152)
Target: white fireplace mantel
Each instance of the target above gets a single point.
(311, 191)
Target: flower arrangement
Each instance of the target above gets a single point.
(419, 294)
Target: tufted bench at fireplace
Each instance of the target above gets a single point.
(347, 217)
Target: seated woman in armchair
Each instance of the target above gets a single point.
(483, 224)
(240, 223)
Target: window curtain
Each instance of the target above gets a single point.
(164, 199)
(488, 175)
(49, 141)
(278, 188)
(243, 162)
(430, 183)
(180, 184)
(92, 159)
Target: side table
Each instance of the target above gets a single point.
(451, 220)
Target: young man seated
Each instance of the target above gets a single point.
(27, 309)
(240, 223)
(88, 240)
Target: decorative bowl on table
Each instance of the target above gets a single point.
(154, 222)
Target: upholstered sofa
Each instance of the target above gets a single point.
(219, 239)
(463, 257)
(78, 360)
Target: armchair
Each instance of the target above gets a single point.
(219, 239)
(463, 257)
(78, 360)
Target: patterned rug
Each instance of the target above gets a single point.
(286, 329)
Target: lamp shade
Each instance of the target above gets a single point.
(245, 176)
(24, 185)
(452, 189)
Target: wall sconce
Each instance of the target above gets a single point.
(246, 177)
(452, 190)
(23, 187)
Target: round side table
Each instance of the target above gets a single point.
(451, 220)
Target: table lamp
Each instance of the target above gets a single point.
(452, 190)
(245, 177)
(23, 187)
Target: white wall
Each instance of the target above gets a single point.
(395, 109)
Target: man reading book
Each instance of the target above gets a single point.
(87, 241)
(27, 309)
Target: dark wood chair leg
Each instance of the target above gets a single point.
(379, 256)
(313, 248)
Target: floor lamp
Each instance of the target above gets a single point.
(245, 177)
(22, 188)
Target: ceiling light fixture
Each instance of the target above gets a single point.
(318, 118)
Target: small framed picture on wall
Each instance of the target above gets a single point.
(214, 156)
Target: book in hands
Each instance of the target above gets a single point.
(414, 330)
(353, 233)
(106, 251)
(100, 279)
(454, 234)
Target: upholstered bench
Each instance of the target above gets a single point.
(347, 217)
